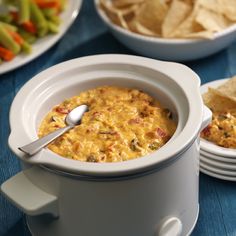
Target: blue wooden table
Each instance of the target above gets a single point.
(89, 36)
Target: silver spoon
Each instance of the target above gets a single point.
(73, 118)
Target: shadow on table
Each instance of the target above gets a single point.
(103, 44)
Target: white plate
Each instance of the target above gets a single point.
(218, 164)
(215, 175)
(43, 44)
(218, 158)
(217, 170)
(206, 145)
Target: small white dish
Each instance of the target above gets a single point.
(217, 170)
(218, 176)
(43, 44)
(210, 147)
(169, 49)
(218, 158)
(217, 150)
(218, 164)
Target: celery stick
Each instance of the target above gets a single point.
(39, 19)
(28, 37)
(51, 14)
(26, 48)
(53, 28)
(42, 31)
(8, 26)
(10, 2)
(7, 41)
(48, 12)
(24, 11)
(6, 18)
(55, 19)
(63, 5)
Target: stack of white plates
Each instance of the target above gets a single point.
(217, 161)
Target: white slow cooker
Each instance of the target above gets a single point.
(153, 195)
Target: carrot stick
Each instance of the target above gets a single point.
(16, 37)
(6, 54)
(29, 26)
(48, 4)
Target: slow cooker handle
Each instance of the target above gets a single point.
(33, 201)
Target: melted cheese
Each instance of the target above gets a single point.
(121, 124)
(222, 130)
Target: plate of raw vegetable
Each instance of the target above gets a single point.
(30, 27)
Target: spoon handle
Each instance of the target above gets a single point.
(37, 145)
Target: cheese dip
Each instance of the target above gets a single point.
(121, 124)
(222, 130)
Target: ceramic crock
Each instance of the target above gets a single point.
(153, 195)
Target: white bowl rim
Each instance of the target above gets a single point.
(189, 84)
(169, 41)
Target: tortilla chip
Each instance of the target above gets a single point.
(125, 3)
(211, 21)
(114, 14)
(218, 103)
(138, 28)
(188, 27)
(151, 15)
(228, 89)
(129, 13)
(212, 5)
(228, 8)
(177, 13)
(224, 7)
